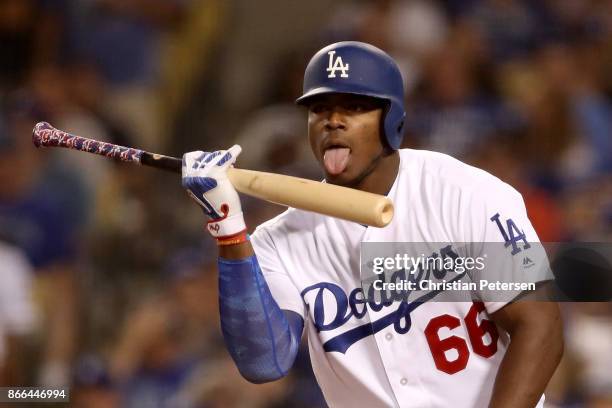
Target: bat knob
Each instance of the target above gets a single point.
(36, 132)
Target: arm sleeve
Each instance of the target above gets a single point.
(262, 338)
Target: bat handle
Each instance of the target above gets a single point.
(160, 161)
(46, 135)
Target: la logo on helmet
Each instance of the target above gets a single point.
(336, 65)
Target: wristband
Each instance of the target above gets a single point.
(234, 239)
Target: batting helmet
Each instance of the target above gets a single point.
(358, 68)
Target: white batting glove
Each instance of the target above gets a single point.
(206, 181)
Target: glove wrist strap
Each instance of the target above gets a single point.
(227, 227)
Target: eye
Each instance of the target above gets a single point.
(358, 106)
(318, 108)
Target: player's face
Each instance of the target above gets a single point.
(344, 133)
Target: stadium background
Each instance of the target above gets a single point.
(107, 277)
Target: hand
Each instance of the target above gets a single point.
(206, 181)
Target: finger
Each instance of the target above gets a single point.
(190, 158)
(230, 156)
(235, 150)
(200, 159)
(211, 156)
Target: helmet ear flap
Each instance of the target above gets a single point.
(394, 124)
(386, 142)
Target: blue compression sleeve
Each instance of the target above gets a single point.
(262, 339)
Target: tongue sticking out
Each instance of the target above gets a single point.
(336, 159)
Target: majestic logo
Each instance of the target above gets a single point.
(512, 235)
(336, 65)
(527, 262)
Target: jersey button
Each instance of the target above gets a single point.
(403, 381)
(388, 336)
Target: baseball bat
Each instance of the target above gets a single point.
(328, 199)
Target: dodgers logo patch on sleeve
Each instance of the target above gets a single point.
(512, 234)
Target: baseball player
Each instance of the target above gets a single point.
(300, 270)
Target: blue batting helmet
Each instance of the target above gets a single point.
(358, 68)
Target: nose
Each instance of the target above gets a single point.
(335, 120)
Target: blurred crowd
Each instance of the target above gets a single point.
(107, 278)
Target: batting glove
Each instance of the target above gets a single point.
(206, 181)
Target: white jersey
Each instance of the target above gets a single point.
(363, 354)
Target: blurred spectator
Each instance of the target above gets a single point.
(569, 19)
(221, 385)
(123, 38)
(303, 392)
(568, 124)
(549, 128)
(501, 157)
(42, 210)
(589, 332)
(275, 139)
(55, 92)
(453, 116)
(508, 26)
(16, 40)
(168, 339)
(30, 35)
(17, 315)
(586, 209)
(590, 110)
(92, 387)
(409, 30)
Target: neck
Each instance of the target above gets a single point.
(381, 178)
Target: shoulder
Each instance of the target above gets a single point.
(292, 221)
(448, 173)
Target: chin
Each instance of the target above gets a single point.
(342, 179)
